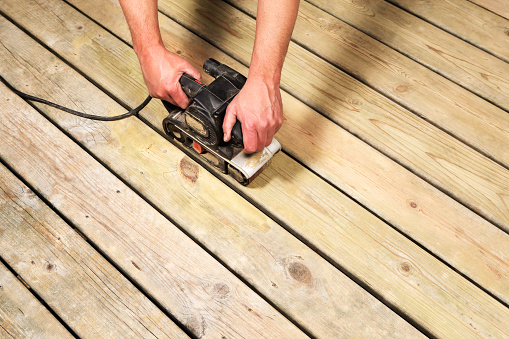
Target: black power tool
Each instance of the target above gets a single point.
(199, 127)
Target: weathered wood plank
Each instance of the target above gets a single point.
(376, 264)
(416, 208)
(188, 282)
(448, 105)
(294, 277)
(438, 50)
(441, 159)
(464, 19)
(497, 6)
(87, 292)
(21, 314)
(351, 172)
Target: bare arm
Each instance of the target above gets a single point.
(258, 105)
(161, 68)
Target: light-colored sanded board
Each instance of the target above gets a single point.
(87, 292)
(457, 60)
(414, 207)
(465, 20)
(21, 314)
(497, 6)
(295, 278)
(187, 281)
(441, 159)
(470, 118)
(372, 261)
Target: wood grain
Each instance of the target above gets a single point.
(87, 292)
(21, 314)
(295, 278)
(464, 19)
(209, 300)
(497, 6)
(419, 146)
(390, 283)
(438, 50)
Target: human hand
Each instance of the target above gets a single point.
(162, 70)
(259, 108)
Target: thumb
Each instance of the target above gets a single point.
(230, 118)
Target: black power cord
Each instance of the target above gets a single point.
(80, 114)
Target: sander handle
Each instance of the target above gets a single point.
(192, 86)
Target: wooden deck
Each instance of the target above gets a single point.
(386, 215)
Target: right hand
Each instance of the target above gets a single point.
(162, 70)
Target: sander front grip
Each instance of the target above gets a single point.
(214, 68)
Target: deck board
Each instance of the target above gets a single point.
(447, 55)
(251, 249)
(91, 296)
(349, 173)
(21, 314)
(496, 6)
(466, 20)
(426, 150)
(368, 239)
(144, 244)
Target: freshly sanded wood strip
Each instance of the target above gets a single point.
(438, 50)
(21, 314)
(87, 292)
(387, 282)
(208, 299)
(423, 148)
(497, 6)
(465, 20)
(315, 293)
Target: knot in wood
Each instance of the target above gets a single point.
(405, 268)
(49, 266)
(402, 88)
(300, 272)
(221, 290)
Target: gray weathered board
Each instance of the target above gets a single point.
(386, 215)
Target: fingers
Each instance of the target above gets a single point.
(162, 70)
(230, 118)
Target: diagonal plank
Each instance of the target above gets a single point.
(21, 314)
(87, 292)
(441, 159)
(465, 20)
(446, 104)
(184, 279)
(316, 294)
(386, 270)
(423, 211)
(497, 6)
(438, 50)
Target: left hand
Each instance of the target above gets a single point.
(259, 108)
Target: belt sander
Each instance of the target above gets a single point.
(199, 127)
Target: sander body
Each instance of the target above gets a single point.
(199, 129)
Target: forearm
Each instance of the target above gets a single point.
(141, 16)
(274, 25)
(161, 68)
